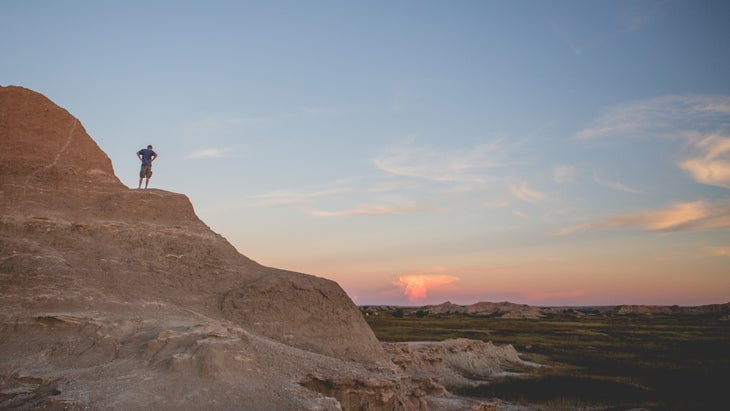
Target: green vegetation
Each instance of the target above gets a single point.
(596, 361)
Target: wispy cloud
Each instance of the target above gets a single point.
(417, 286)
(348, 187)
(697, 214)
(564, 174)
(525, 193)
(689, 216)
(467, 171)
(443, 165)
(667, 116)
(211, 152)
(711, 165)
(720, 251)
(629, 20)
(617, 185)
(700, 122)
(377, 210)
(288, 197)
(521, 215)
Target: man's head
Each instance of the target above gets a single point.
(149, 147)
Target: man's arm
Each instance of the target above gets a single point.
(154, 156)
(139, 156)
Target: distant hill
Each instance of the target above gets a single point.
(486, 309)
(512, 310)
(480, 309)
(674, 309)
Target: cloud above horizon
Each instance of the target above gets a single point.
(698, 123)
(525, 193)
(484, 168)
(689, 216)
(324, 201)
(711, 165)
(377, 210)
(666, 116)
(290, 197)
(456, 165)
(416, 286)
(720, 251)
(617, 185)
(564, 174)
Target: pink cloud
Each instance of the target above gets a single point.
(691, 216)
(712, 165)
(524, 193)
(720, 251)
(417, 286)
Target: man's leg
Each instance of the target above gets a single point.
(140, 182)
(147, 182)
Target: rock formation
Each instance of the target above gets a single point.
(454, 363)
(486, 309)
(114, 298)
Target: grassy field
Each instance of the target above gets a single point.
(677, 362)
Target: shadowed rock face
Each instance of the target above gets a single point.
(114, 298)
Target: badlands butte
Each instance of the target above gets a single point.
(112, 298)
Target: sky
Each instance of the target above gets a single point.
(541, 152)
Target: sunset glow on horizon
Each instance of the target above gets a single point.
(416, 152)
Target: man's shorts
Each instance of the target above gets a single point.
(145, 171)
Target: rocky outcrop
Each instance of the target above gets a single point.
(711, 309)
(297, 309)
(486, 309)
(114, 298)
(354, 393)
(454, 363)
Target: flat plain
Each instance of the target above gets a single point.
(592, 360)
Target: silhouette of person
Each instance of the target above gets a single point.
(146, 156)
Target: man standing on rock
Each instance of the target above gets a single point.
(146, 156)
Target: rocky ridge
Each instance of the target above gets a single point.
(486, 309)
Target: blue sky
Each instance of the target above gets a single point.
(546, 152)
